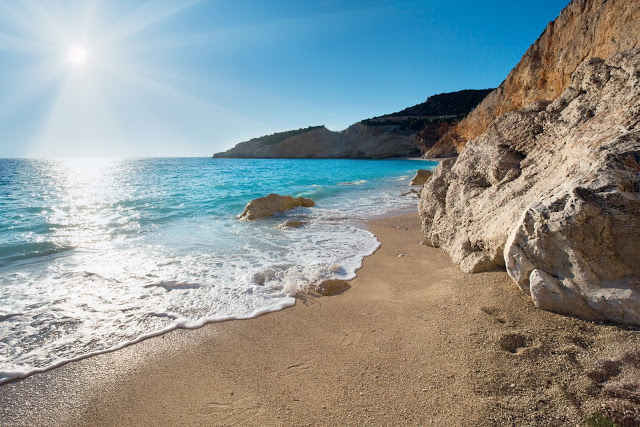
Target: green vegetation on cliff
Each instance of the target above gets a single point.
(277, 137)
(410, 131)
(412, 123)
(444, 107)
(447, 104)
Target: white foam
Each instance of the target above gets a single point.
(359, 182)
(124, 293)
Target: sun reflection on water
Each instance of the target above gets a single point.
(87, 190)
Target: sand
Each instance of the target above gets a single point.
(414, 341)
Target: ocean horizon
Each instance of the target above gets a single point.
(99, 253)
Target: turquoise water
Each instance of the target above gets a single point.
(98, 253)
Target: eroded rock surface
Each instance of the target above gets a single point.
(584, 29)
(263, 207)
(552, 193)
(422, 175)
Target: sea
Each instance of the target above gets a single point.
(97, 254)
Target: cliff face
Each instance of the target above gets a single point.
(303, 144)
(552, 193)
(407, 133)
(357, 141)
(584, 29)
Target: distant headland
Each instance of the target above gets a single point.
(407, 133)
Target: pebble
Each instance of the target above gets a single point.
(402, 255)
(423, 243)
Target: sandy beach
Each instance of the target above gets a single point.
(414, 341)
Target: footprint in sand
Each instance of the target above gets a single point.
(214, 408)
(494, 313)
(296, 368)
(231, 411)
(351, 338)
(514, 343)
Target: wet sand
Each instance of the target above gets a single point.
(414, 341)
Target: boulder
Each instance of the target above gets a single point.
(552, 193)
(332, 287)
(421, 177)
(266, 206)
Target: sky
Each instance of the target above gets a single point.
(125, 78)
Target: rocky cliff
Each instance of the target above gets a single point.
(552, 193)
(357, 141)
(584, 29)
(407, 133)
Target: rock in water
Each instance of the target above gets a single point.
(266, 206)
(421, 177)
(291, 223)
(412, 192)
(332, 287)
(552, 193)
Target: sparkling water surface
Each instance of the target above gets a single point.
(98, 253)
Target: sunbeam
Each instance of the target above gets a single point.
(110, 89)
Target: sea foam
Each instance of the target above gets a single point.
(98, 257)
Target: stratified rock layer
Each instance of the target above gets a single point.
(584, 29)
(263, 207)
(552, 193)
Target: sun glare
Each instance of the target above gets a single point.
(77, 56)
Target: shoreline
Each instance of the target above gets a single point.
(414, 341)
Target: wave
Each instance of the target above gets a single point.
(359, 182)
(148, 261)
(11, 253)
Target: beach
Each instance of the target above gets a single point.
(414, 341)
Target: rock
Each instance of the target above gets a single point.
(412, 192)
(291, 223)
(421, 177)
(332, 287)
(552, 193)
(266, 206)
(584, 29)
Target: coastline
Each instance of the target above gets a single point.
(414, 341)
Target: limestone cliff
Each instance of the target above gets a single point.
(407, 133)
(357, 141)
(584, 29)
(552, 193)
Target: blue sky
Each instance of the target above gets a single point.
(190, 78)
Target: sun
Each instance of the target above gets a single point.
(77, 55)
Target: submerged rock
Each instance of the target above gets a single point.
(421, 177)
(552, 193)
(266, 206)
(291, 223)
(412, 192)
